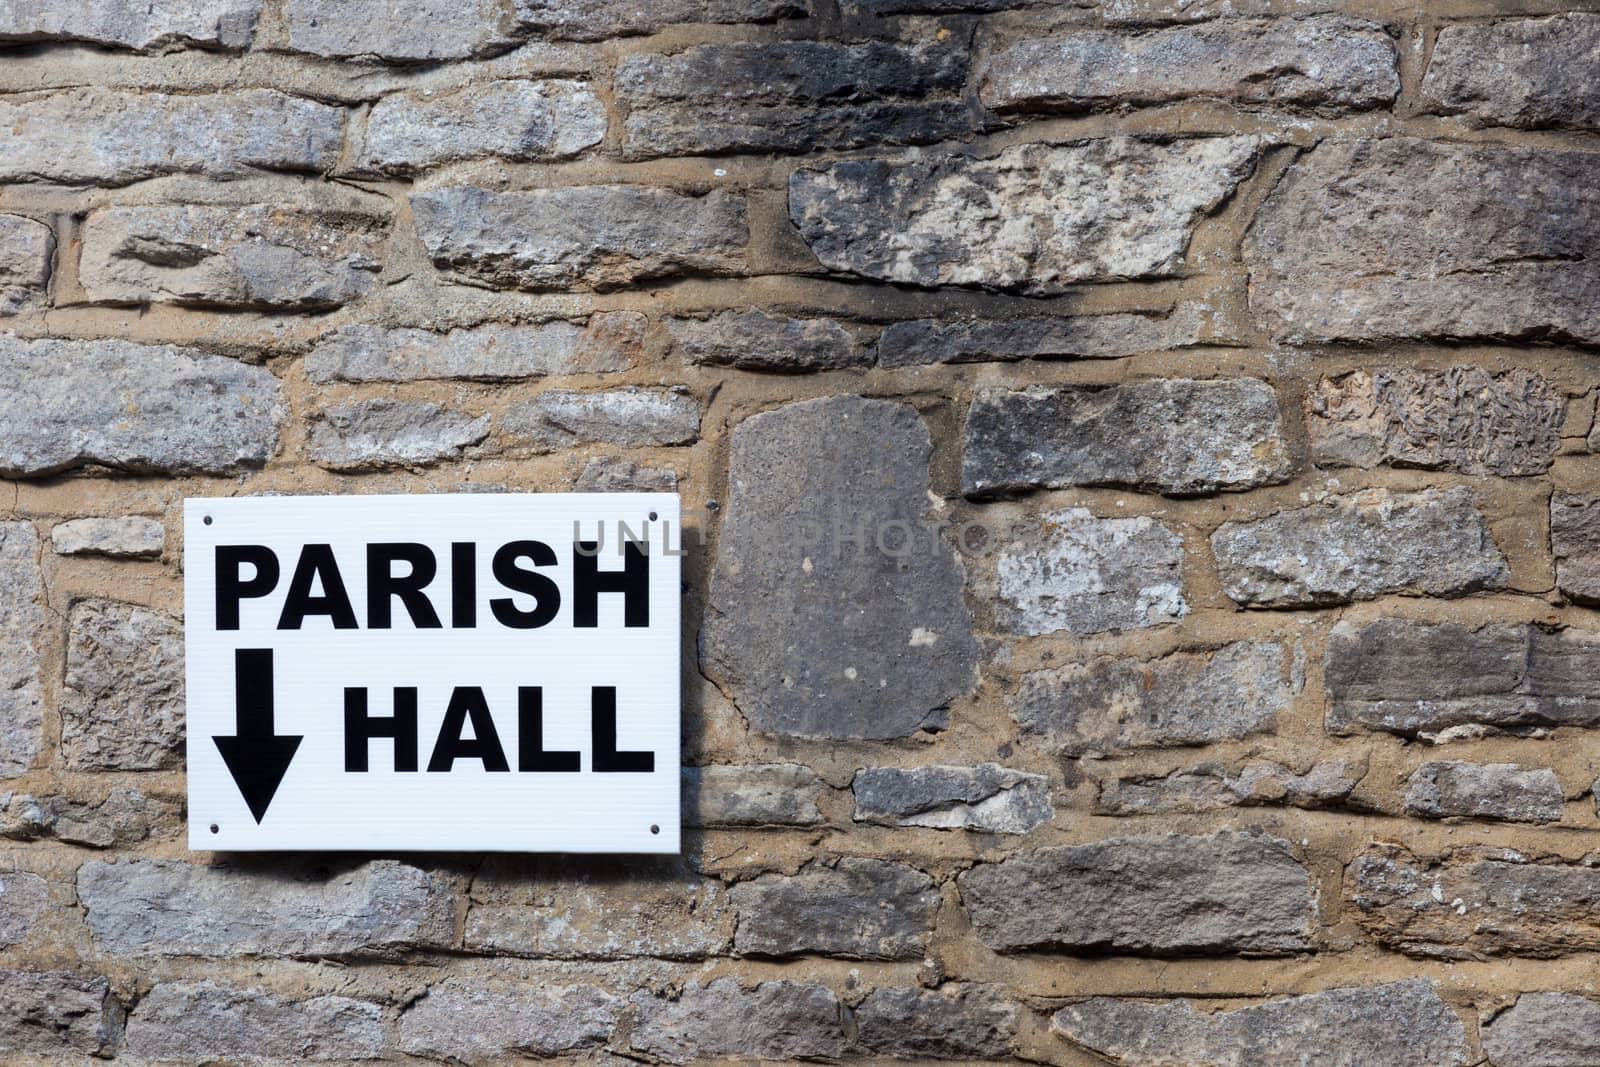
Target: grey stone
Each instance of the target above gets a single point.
(127, 537)
(122, 707)
(429, 30)
(1170, 895)
(607, 474)
(1402, 1024)
(171, 908)
(1141, 434)
(53, 1013)
(1575, 537)
(754, 340)
(122, 817)
(793, 96)
(256, 256)
(1461, 419)
(26, 249)
(22, 623)
(629, 417)
(1452, 788)
(859, 908)
(765, 794)
(1401, 238)
(186, 1020)
(954, 1022)
(1528, 73)
(774, 1021)
(1035, 218)
(1213, 787)
(1544, 1030)
(813, 635)
(1325, 63)
(582, 237)
(922, 341)
(24, 898)
(103, 136)
(373, 434)
(143, 408)
(140, 25)
(1068, 570)
(523, 121)
(594, 20)
(475, 1021)
(985, 797)
(1358, 547)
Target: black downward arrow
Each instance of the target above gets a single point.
(256, 757)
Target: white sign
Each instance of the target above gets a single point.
(492, 672)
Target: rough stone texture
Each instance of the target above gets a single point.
(1359, 547)
(582, 237)
(122, 817)
(953, 1022)
(1575, 538)
(102, 136)
(372, 434)
(1033, 218)
(591, 20)
(607, 474)
(1071, 571)
(130, 537)
(1214, 786)
(1544, 1029)
(861, 908)
(480, 1022)
(122, 706)
(147, 408)
(181, 1020)
(610, 341)
(774, 1021)
(793, 96)
(53, 1013)
(525, 121)
(1529, 73)
(24, 898)
(1142, 434)
(812, 629)
(629, 417)
(1446, 788)
(1401, 238)
(21, 621)
(25, 250)
(924, 341)
(1170, 895)
(1326, 63)
(137, 24)
(774, 794)
(986, 797)
(1463, 419)
(171, 908)
(754, 340)
(428, 29)
(1403, 1024)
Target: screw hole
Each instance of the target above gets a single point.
(208, 520)
(652, 516)
(214, 828)
(655, 829)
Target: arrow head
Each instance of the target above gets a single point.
(258, 765)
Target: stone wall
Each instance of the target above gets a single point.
(1187, 405)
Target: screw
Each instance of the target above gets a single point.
(208, 520)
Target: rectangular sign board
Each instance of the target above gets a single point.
(494, 672)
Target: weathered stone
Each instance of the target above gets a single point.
(834, 611)
(524, 121)
(610, 341)
(1359, 547)
(102, 136)
(135, 24)
(235, 256)
(629, 417)
(128, 537)
(1035, 218)
(122, 817)
(122, 708)
(145, 408)
(986, 797)
(171, 908)
(478, 1022)
(428, 30)
(953, 1022)
(582, 237)
(1403, 1024)
(1324, 63)
(186, 1020)
(1443, 789)
(1575, 537)
(922, 341)
(1213, 786)
(53, 1013)
(1070, 571)
(1527, 73)
(1169, 895)
(23, 899)
(1142, 434)
(769, 794)
(773, 1021)
(1400, 238)
(21, 626)
(594, 20)
(372, 434)
(608, 474)
(860, 908)
(1462, 419)
(754, 340)
(793, 96)
(1544, 1030)
(26, 249)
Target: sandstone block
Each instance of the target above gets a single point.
(775, 1020)
(53, 1014)
(629, 417)
(185, 1020)
(754, 340)
(1453, 788)
(954, 1022)
(128, 537)
(609, 474)
(1552, 1029)
(609, 341)
(140, 25)
(1575, 537)
(22, 623)
(122, 816)
(122, 708)
(1213, 786)
(770, 794)
(430, 30)
(594, 20)
(922, 341)
(479, 1022)
(1528, 73)
(860, 908)
(372, 434)
(522, 121)
(24, 899)
(26, 249)
(986, 797)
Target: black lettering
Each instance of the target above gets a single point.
(231, 588)
(531, 755)
(382, 585)
(546, 594)
(463, 585)
(316, 562)
(603, 724)
(467, 700)
(589, 581)
(360, 728)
